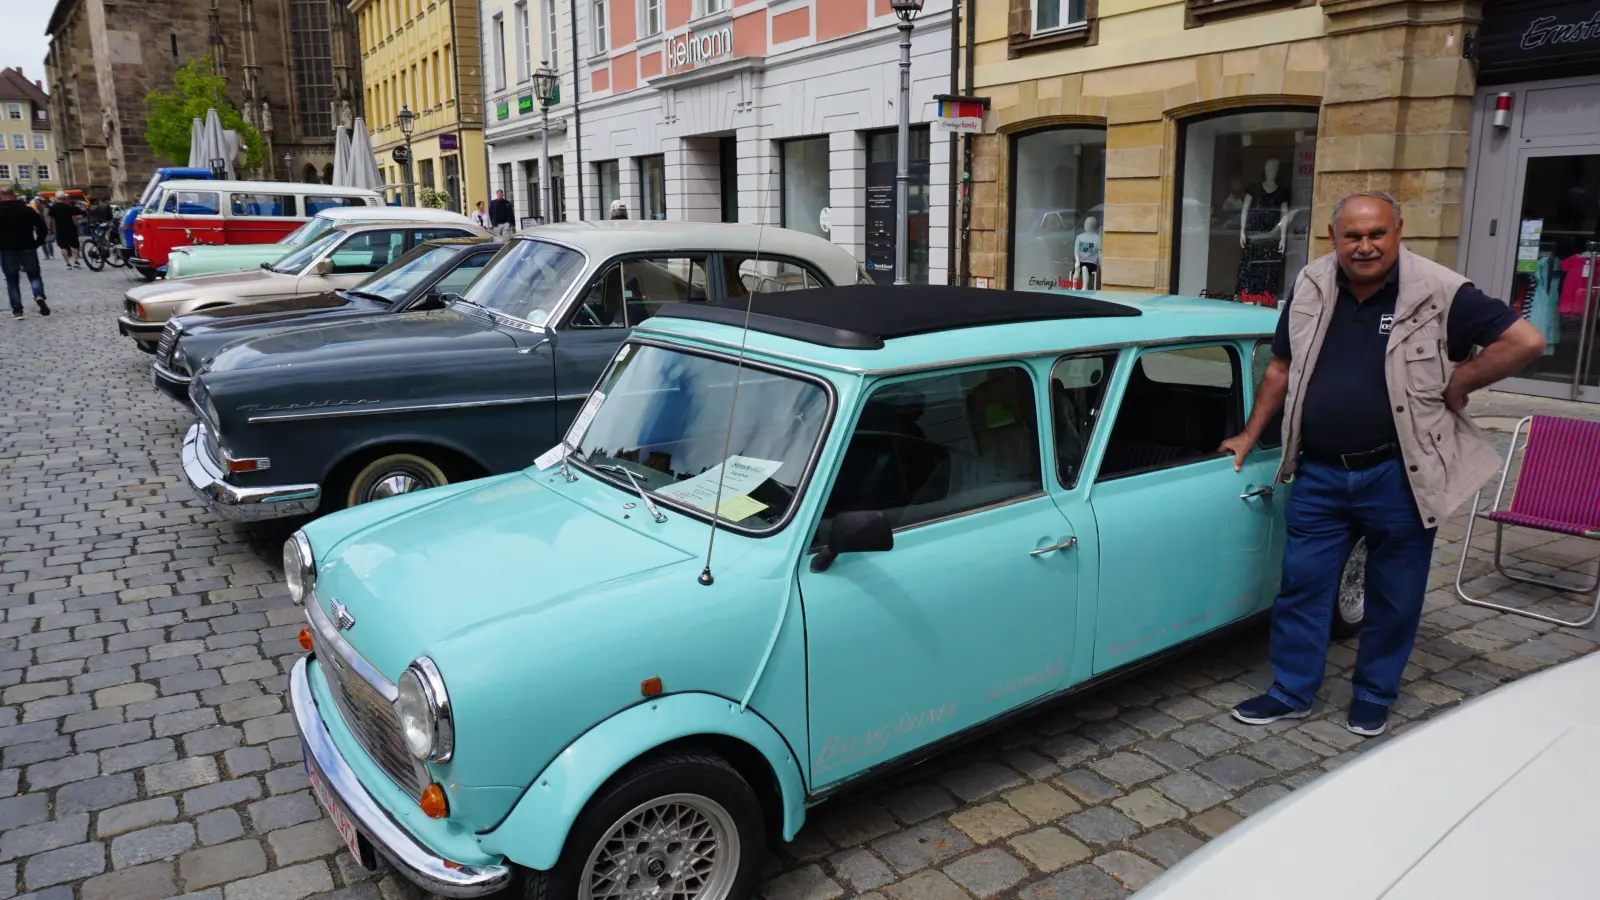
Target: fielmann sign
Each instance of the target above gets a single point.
(690, 48)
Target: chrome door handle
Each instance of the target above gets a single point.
(1067, 544)
(1264, 491)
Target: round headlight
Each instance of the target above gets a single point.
(424, 711)
(299, 567)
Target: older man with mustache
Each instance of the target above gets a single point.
(1372, 369)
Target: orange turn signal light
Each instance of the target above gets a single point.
(434, 805)
(650, 686)
(243, 465)
(305, 638)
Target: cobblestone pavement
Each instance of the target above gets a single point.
(145, 751)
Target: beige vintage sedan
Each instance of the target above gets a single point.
(339, 260)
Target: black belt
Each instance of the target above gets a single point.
(1363, 459)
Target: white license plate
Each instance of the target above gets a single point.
(341, 819)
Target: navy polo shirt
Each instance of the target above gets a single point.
(1346, 405)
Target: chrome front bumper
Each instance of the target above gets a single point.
(171, 383)
(416, 862)
(139, 329)
(241, 504)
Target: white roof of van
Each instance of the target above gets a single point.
(391, 214)
(266, 187)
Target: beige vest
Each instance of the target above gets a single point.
(1446, 457)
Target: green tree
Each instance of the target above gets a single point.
(169, 115)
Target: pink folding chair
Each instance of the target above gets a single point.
(1558, 491)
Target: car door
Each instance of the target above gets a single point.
(626, 292)
(970, 614)
(1263, 467)
(1184, 539)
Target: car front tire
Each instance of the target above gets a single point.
(391, 475)
(685, 825)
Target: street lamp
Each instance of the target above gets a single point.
(288, 165)
(407, 120)
(547, 88)
(905, 10)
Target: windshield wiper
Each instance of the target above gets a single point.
(643, 495)
(367, 294)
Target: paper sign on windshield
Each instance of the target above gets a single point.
(550, 457)
(739, 507)
(745, 474)
(585, 416)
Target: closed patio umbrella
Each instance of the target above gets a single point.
(341, 156)
(215, 144)
(363, 167)
(197, 133)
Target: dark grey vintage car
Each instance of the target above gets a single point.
(419, 280)
(322, 417)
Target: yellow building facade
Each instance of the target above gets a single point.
(422, 55)
(1198, 146)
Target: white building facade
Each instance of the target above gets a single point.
(779, 112)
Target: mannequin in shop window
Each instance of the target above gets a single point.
(1263, 235)
(1086, 255)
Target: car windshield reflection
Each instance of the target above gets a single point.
(663, 416)
(400, 277)
(527, 280)
(299, 259)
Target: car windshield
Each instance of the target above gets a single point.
(401, 277)
(527, 279)
(156, 199)
(315, 227)
(299, 259)
(663, 417)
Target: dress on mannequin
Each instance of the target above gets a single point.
(1086, 254)
(1574, 284)
(1542, 305)
(1261, 266)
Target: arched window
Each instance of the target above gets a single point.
(327, 174)
(1058, 190)
(309, 174)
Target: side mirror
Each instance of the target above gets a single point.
(322, 267)
(431, 300)
(854, 532)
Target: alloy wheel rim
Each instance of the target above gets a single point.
(403, 478)
(677, 847)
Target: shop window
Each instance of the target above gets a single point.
(530, 178)
(939, 446)
(558, 191)
(880, 204)
(608, 178)
(1178, 407)
(1243, 223)
(1058, 184)
(652, 187)
(426, 167)
(805, 184)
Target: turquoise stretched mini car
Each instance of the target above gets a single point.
(781, 550)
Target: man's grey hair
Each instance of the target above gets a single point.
(1385, 196)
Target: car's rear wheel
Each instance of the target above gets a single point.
(686, 826)
(1349, 608)
(393, 474)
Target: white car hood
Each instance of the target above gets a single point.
(1496, 799)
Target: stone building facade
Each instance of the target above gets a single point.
(1197, 146)
(292, 65)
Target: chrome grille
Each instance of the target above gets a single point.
(168, 343)
(370, 718)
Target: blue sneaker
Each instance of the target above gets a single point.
(1266, 709)
(1366, 718)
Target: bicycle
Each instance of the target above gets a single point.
(97, 248)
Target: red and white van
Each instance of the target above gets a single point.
(183, 213)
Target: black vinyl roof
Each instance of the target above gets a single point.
(862, 317)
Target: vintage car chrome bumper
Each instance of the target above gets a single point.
(241, 504)
(171, 383)
(139, 329)
(416, 862)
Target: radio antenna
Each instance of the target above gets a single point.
(733, 408)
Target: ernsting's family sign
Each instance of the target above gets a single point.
(1538, 39)
(690, 48)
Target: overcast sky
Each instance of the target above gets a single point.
(22, 40)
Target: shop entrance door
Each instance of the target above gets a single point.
(1547, 269)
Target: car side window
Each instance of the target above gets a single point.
(368, 251)
(193, 203)
(262, 204)
(1272, 436)
(1077, 394)
(418, 235)
(744, 275)
(315, 205)
(1178, 407)
(933, 447)
(631, 290)
(458, 278)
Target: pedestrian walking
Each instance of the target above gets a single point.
(42, 207)
(21, 230)
(501, 215)
(1371, 371)
(619, 209)
(64, 218)
(481, 218)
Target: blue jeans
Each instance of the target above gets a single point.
(14, 263)
(1329, 509)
